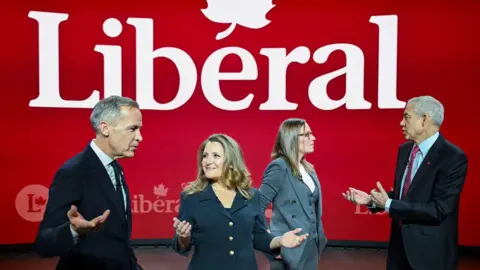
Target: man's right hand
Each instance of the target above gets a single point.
(82, 226)
(357, 197)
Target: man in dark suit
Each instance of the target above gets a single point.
(88, 221)
(424, 205)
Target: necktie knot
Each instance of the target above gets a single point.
(415, 149)
(116, 169)
(114, 165)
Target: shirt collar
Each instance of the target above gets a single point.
(104, 158)
(428, 143)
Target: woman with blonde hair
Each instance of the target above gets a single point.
(291, 185)
(220, 213)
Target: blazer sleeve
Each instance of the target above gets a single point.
(184, 214)
(445, 196)
(54, 236)
(272, 182)
(261, 238)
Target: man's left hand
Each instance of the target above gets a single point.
(380, 196)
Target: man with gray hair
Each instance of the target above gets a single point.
(424, 205)
(88, 221)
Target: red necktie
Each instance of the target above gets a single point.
(408, 178)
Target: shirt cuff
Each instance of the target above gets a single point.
(74, 234)
(387, 205)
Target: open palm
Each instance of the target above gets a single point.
(357, 196)
(292, 240)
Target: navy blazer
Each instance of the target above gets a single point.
(223, 238)
(429, 212)
(84, 182)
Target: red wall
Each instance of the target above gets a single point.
(434, 53)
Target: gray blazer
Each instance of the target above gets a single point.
(289, 207)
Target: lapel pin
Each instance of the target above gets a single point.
(428, 163)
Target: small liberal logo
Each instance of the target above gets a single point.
(247, 13)
(31, 202)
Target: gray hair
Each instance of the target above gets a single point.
(109, 110)
(427, 105)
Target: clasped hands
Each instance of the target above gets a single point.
(377, 197)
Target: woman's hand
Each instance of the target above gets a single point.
(182, 228)
(291, 239)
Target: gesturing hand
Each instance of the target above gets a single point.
(357, 196)
(291, 239)
(82, 226)
(182, 228)
(379, 197)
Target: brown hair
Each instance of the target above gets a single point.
(286, 145)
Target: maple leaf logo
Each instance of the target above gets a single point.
(40, 201)
(160, 191)
(247, 13)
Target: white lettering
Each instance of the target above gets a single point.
(49, 90)
(279, 61)
(112, 59)
(353, 99)
(211, 77)
(277, 84)
(145, 55)
(387, 61)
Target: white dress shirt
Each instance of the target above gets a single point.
(307, 179)
(106, 161)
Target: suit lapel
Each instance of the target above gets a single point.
(100, 174)
(431, 157)
(402, 164)
(319, 187)
(210, 200)
(238, 203)
(302, 196)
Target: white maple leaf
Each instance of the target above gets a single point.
(160, 191)
(247, 13)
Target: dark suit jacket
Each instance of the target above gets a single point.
(429, 212)
(83, 181)
(280, 186)
(223, 238)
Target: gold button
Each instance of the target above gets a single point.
(231, 252)
(230, 224)
(230, 238)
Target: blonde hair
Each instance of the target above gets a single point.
(286, 145)
(235, 174)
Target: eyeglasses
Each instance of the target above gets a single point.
(307, 134)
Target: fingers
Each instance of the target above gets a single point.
(106, 214)
(297, 230)
(72, 212)
(304, 237)
(380, 188)
(182, 228)
(186, 229)
(299, 239)
(175, 222)
(348, 196)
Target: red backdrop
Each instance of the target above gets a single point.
(434, 53)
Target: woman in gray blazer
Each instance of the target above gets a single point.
(291, 185)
